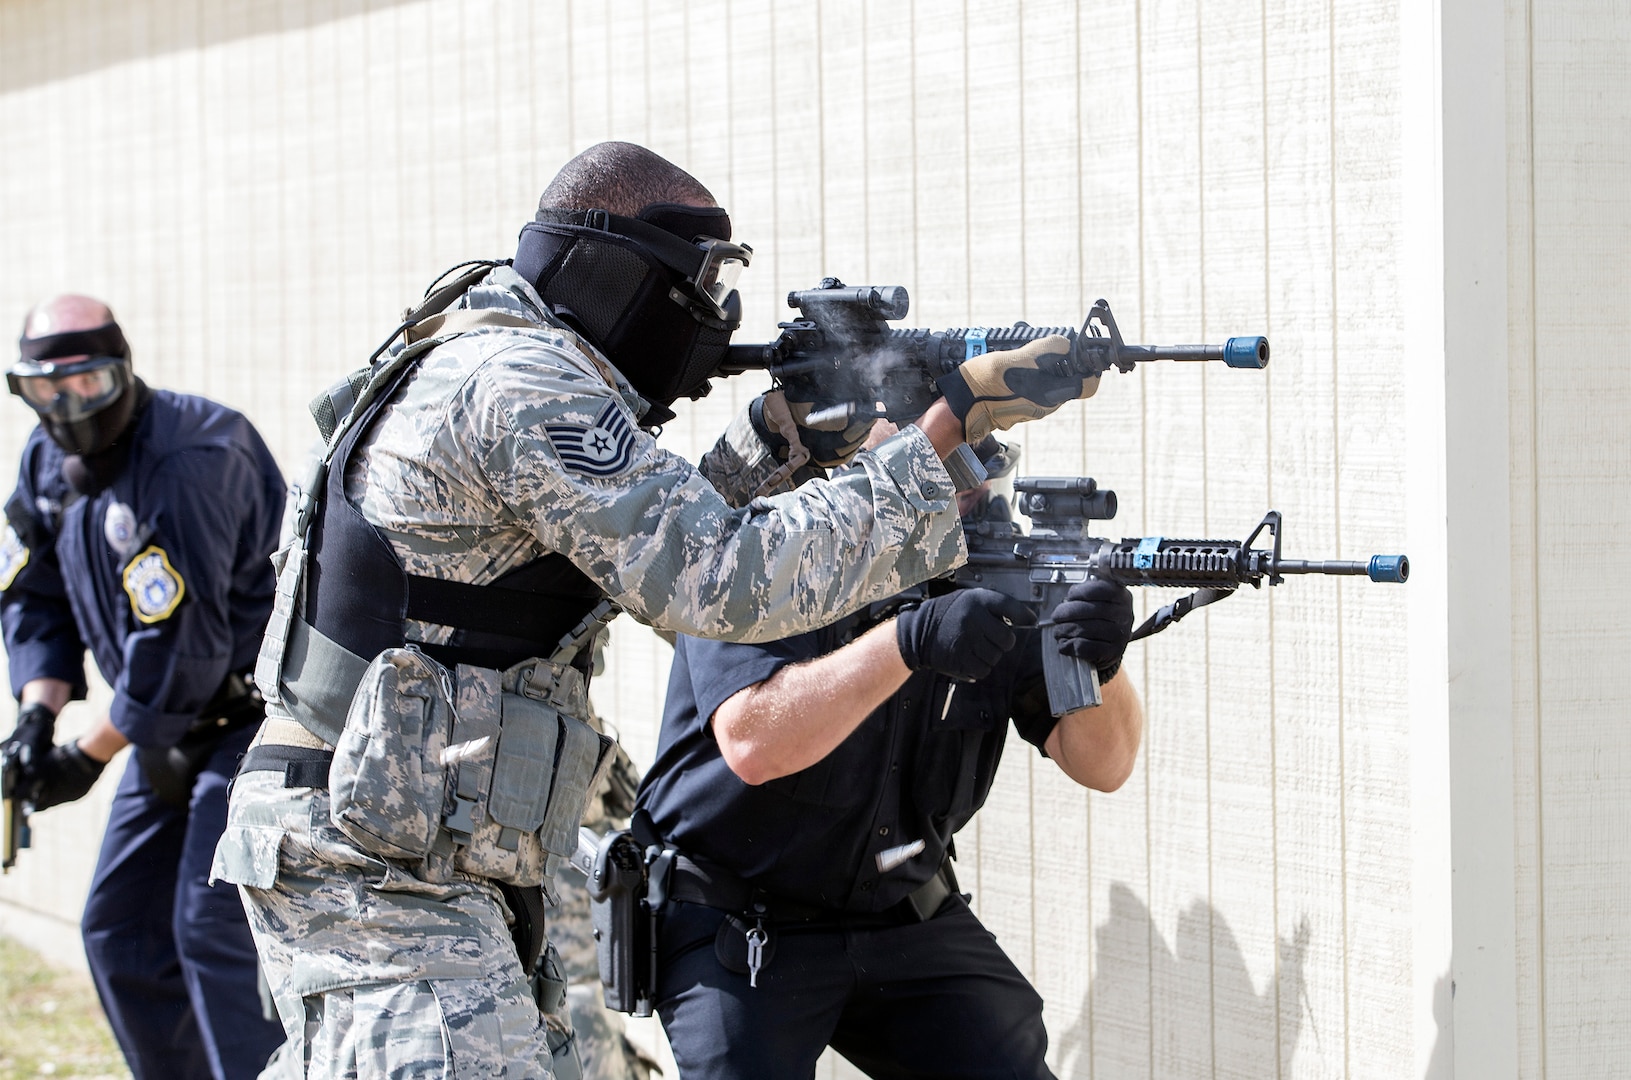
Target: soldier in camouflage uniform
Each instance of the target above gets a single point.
(506, 442)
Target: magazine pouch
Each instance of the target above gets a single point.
(388, 783)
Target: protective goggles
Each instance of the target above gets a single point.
(714, 279)
(707, 267)
(72, 391)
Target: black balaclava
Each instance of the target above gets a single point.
(93, 472)
(618, 281)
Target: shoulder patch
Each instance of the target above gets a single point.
(13, 557)
(154, 586)
(603, 448)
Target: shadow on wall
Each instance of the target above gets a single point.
(132, 29)
(1242, 1022)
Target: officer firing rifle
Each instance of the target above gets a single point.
(844, 366)
(1040, 568)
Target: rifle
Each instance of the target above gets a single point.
(843, 355)
(1039, 568)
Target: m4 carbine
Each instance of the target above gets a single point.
(1039, 567)
(842, 355)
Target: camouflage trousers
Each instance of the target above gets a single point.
(374, 971)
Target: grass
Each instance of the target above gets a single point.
(50, 1021)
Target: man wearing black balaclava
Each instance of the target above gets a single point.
(490, 494)
(139, 531)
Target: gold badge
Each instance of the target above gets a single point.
(154, 586)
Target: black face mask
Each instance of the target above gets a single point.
(92, 472)
(654, 293)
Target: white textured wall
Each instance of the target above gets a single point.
(1569, 297)
(258, 189)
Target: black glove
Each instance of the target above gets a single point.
(65, 774)
(962, 634)
(30, 741)
(35, 726)
(1094, 622)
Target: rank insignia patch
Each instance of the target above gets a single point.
(154, 586)
(13, 557)
(603, 448)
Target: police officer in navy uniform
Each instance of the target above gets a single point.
(812, 787)
(140, 530)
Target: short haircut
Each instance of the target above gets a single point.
(621, 178)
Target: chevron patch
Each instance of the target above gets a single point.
(603, 448)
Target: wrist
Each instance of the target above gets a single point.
(101, 743)
(38, 711)
(943, 427)
(903, 644)
(774, 440)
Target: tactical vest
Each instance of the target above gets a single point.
(343, 595)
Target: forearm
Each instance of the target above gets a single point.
(1097, 747)
(785, 564)
(942, 427)
(53, 693)
(802, 713)
(102, 741)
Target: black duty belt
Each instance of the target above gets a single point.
(692, 883)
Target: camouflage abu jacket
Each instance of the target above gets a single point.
(509, 443)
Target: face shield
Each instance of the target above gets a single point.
(78, 383)
(70, 392)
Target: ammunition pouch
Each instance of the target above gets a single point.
(472, 771)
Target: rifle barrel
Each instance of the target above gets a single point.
(1385, 568)
(1237, 352)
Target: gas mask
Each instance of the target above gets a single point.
(655, 293)
(78, 382)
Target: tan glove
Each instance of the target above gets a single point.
(759, 454)
(995, 391)
(829, 447)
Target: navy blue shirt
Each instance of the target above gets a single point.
(164, 575)
(914, 771)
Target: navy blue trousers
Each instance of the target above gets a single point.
(934, 999)
(171, 956)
